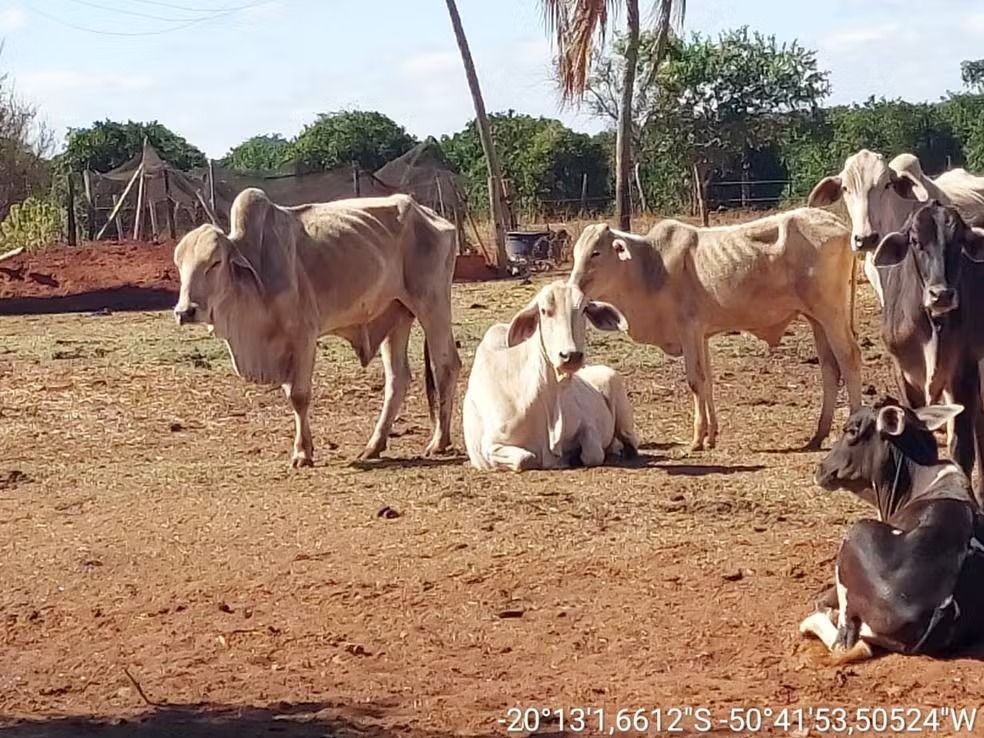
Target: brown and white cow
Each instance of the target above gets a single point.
(679, 285)
(361, 269)
(911, 581)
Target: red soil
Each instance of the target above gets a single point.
(115, 276)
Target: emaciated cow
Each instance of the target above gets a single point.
(931, 273)
(911, 582)
(359, 269)
(680, 285)
(532, 404)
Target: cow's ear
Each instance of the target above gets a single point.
(936, 416)
(827, 192)
(974, 244)
(890, 421)
(605, 317)
(621, 249)
(892, 250)
(242, 269)
(910, 188)
(523, 325)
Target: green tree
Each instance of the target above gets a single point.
(106, 144)
(264, 153)
(337, 139)
(718, 101)
(965, 116)
(939, 134)
(544, 159)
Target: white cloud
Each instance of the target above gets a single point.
(427, 64)
(12, 18)
(975, 22)
(852, 38)
(66, 82)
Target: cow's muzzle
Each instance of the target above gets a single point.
(868, 242)
(941, 300)
(185, 315)
(571, 361)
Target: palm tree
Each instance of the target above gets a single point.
(579, 27)
(485, 135)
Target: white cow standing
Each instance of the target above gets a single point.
(531, 404)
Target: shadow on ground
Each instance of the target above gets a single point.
(303, 720)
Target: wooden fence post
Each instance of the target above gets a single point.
(116, 215)
(72, 234)
(118, 203)
(90, 206)
(584, 194)
(137, 219)
(172, 232)
(211, 188)
(356, 184)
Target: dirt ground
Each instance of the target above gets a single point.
(130, 275)
(166, 574)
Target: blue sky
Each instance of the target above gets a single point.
(273, 66)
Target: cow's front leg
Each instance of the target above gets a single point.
(710, 412)
(822, 626)
(693, 360)
(298, 393)
(516, 458)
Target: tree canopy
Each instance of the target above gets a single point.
(337, 139)
(543, 158)
(106, 144)
(264, 153)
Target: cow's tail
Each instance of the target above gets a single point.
(430, 384)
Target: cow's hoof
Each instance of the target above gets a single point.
(437, 449)
(370, 452)
(696, 446)
(814, 444)
(299, 461)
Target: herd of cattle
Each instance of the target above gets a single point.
(365, 269)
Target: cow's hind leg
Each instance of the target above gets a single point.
(693, 358)
(298, 393)
(397, 372)
(592, 453)
(446, 364)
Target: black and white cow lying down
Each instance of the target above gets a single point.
(912, 581)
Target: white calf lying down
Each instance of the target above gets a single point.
(531, 404)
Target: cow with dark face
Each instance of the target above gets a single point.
(912, 581)
(931, 273)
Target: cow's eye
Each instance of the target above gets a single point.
(595, 254)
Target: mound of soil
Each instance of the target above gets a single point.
(115, 276)
(94, 276)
